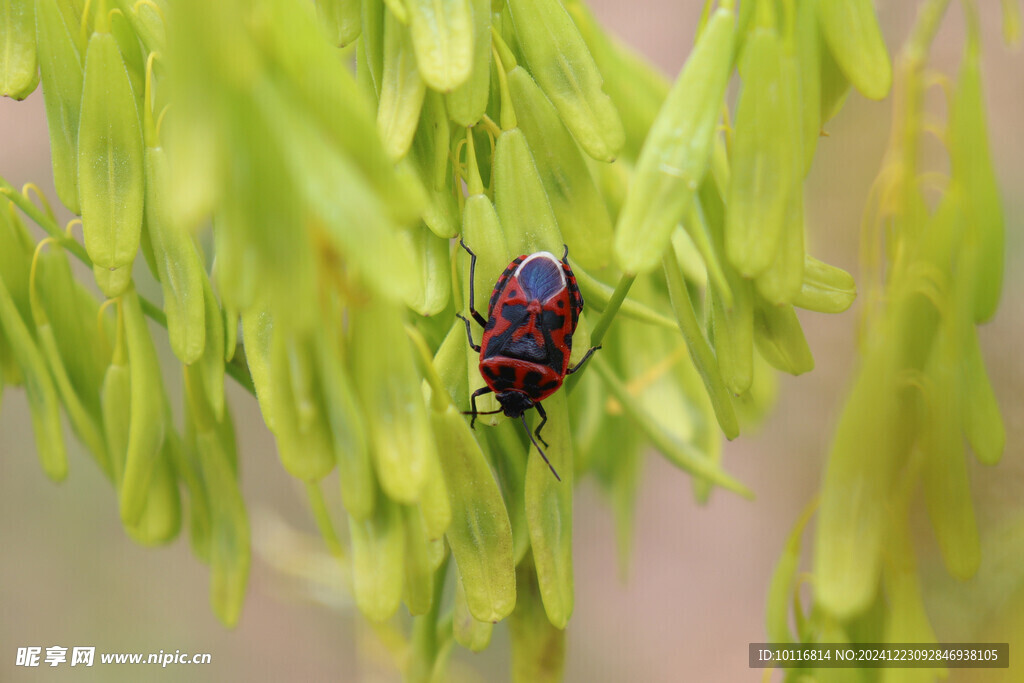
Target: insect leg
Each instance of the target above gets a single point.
(584, 360)
(469, 333)
(543, 419)
(472, 272)
(472, 401)
(539, 449)
(565, 254)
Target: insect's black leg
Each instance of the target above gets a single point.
(469, 333)
(577, 366)
(472, 399)
(472, 278)
(539, 449)
(565, 254)
(543, 419)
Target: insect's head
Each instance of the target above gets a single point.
(514, 403)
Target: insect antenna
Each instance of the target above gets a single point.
(537, 446)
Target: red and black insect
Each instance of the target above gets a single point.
(524, 353)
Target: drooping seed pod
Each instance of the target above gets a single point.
(677, 149)
(402, 90)
(468, 102)
(780, 339)
(178, 265)
(764, 155)
(43, 400)
(111, 180)
(146, 427)
(854, 38)
(378, 560)
(549, 514)
(61, 70)
(214, 448)
(341, 20)
(442, 36)
(19, 74)
(974, 172)
(388, 387)
(538, 646)
(579, 211)
(566, 71)
(825, 289)
(700, 351)
(469, 632)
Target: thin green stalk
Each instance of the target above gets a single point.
(605, 321)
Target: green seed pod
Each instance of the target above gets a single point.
(185, 461)
(868, 449)
(825, 289)
(147, 21)
(111, 177)
(808, 57)
(355, 471)
(388, 385)
(780, 339)
(146, 426)
(178, 265)
(42, 395)
(483, 234)
(304, 441)
(60, 67)
(579, 211)
(430, 165)
(19, 74)
(468, 102)
(378, 560)
(340, 18)
(732, 317)
(372, 40)
(507, 449)
(982, 422)
(401, 91)
(442, 36)
(419, 572)
(229, 540)
(566, 71)
(835, 87)
(332, 98)
(257, 333)
(765, 156)
(851, 30)
(700, 351)
(523, 208)
(211, 362)
(161, 518)
(53, 282)
(449, 362)
(131, 53)
(116, 395)
(676, 153)
(974, 172)
(944, 474)
(480, 535)
(538, 647)
(549, 514)
(636, 88)
(470, 633)
(783, 280)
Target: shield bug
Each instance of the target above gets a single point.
(524, 353)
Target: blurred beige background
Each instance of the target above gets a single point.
(695, 594)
